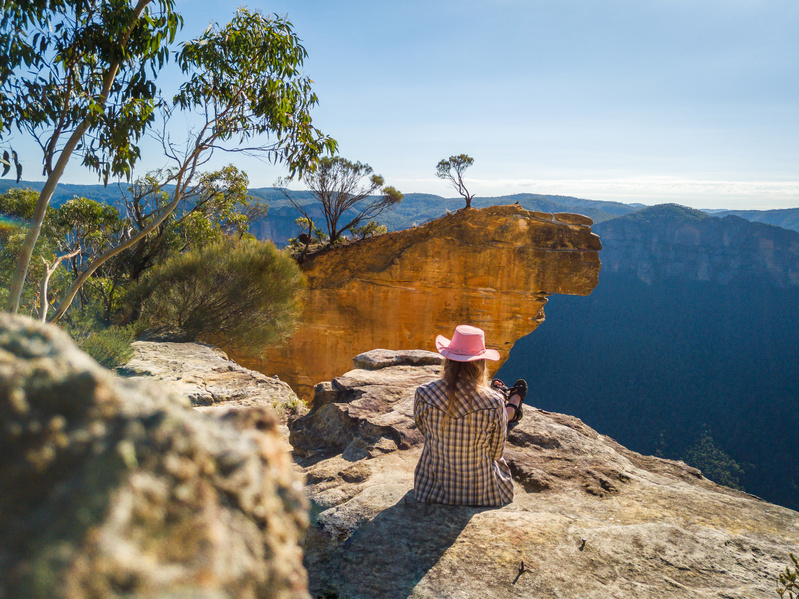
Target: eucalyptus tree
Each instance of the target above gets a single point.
(79, 77)
(72, 234)
(245, 87)
(217, 205)
(452, 170)
(346, 190)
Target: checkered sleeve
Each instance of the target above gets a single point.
(499, 432)
(418, 409)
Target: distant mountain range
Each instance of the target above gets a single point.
(787, 218)
(416, 208)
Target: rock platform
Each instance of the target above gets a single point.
(590, 518)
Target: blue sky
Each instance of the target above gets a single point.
(691, 101)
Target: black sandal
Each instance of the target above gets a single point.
(519, 388)
(500, 386)
(518, 412)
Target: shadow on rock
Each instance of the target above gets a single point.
(418, 533)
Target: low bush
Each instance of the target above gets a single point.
(110, 347)
(788, 581)
(241, 294)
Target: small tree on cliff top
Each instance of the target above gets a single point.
(340, 189)
(452, 170)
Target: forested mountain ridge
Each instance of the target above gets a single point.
(674, 241)
(415, 209)
(689, 345)
(110, 194)
(787, 218)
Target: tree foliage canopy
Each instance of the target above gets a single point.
(246, 78)
(452, 170)
(84, 68)
(216, 205)
(72, 233)
(81, 78)
(345, 192)
(78, 76)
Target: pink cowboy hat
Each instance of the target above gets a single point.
(467, 345)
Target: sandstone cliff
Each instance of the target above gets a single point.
(671, 241)
(590, 519)
(492, 268)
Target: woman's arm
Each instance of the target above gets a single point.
(498, 433)
(418, 409)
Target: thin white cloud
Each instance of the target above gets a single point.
(646, 190)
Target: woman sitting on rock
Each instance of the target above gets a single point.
(464, 421)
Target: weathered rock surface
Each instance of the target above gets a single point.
(209, 379)
(117, 488)
(492, 268)
(590, 518)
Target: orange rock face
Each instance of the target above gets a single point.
(492, 268)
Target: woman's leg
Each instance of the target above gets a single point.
(515, 397)
(514, 401)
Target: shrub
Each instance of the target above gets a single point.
(370, 229)
(788, 581)
(110, 347)
(242, 294)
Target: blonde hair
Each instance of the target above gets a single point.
(470, 374)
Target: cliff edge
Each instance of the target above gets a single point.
(492, 268)
(590, 518)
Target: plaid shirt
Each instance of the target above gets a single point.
(462, 461)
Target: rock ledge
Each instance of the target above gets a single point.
(589, 519)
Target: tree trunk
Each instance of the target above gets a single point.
(108, 254)
(15, 293)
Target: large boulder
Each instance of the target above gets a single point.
(589, 518)
(117, 488)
